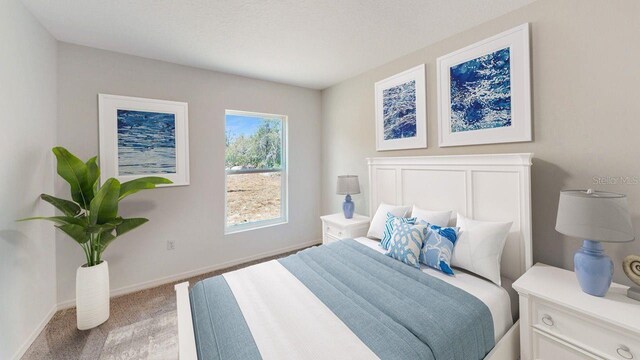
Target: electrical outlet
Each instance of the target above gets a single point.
(171, 245)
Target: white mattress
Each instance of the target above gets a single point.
(495, 297)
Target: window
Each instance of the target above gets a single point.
(256, 170)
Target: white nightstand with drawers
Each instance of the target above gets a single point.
(335, 227)
(559, 321)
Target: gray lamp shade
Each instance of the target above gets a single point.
(594, 215)
(348, 185)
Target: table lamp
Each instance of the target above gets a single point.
(594, 216)
(348, 185)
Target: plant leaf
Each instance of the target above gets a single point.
(99, 229)
(76, 232)
(74, 171)
(105, 240)
(129, 224)
(148, 182)
(104, 206)
(133, 186)
(125, 226)
(61, 220)
(69, 208)
(157, 180)
(107, 227)
(93, 176)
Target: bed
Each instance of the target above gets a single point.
(347, 300)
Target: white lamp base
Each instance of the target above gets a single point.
(634, 293)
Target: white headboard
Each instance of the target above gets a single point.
(492, 187)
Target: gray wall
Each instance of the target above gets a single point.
(28, 103)
(192, 215)
(585, 78)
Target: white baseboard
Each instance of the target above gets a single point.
(185, 275)
(27, 343)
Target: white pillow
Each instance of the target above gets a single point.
(376, 229)
(479, 247)
(439, 218)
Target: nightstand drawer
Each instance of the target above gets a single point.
(335, 231)
(546, 347)
(328, 239)
(599, 338)
(336, 227)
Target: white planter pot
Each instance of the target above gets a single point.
(92, 295)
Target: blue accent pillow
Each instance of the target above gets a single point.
(406, 243)
(392, 222)
(438, 246)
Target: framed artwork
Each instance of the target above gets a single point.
(401, 111)
(484, 94)
(143, 137)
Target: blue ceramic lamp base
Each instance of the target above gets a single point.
(348, 207)
(593, 268)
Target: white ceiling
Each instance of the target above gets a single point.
(311, 43)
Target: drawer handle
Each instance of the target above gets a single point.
(328, 228)
(340, 233)
(547, 320)
(624, 352)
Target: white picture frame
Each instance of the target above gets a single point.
(159, 151)
(415, 135)
(517, 127)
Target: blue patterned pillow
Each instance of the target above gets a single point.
(438, 247)
(406, 242)
(392, 222)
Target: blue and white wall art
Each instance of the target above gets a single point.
(399, 108)
(481, 92)
(401, 111)
(484, 91)
(143, 137)
(146, 142)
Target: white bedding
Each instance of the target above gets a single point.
(495, 297)
(264, 293)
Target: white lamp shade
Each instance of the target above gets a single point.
(594, 215)
(348, 185)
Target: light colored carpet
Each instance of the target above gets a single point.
(153, 339)
(141, 326)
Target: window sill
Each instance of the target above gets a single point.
(253, 226)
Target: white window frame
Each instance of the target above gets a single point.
(284, 178)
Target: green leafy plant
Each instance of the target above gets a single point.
(91, 217)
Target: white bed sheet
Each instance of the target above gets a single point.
(495, 297)
(264, 292)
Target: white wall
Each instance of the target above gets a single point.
(193, 215)
(27, 250)
(585, 78)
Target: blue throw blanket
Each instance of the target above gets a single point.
(398, 311)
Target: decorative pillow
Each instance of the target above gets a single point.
(479, 247)
(406, 242)
(376, 229)
(392, 222)
(440, 218)
(438, 247)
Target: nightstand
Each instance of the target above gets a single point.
(559, 321)
(335, 227)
